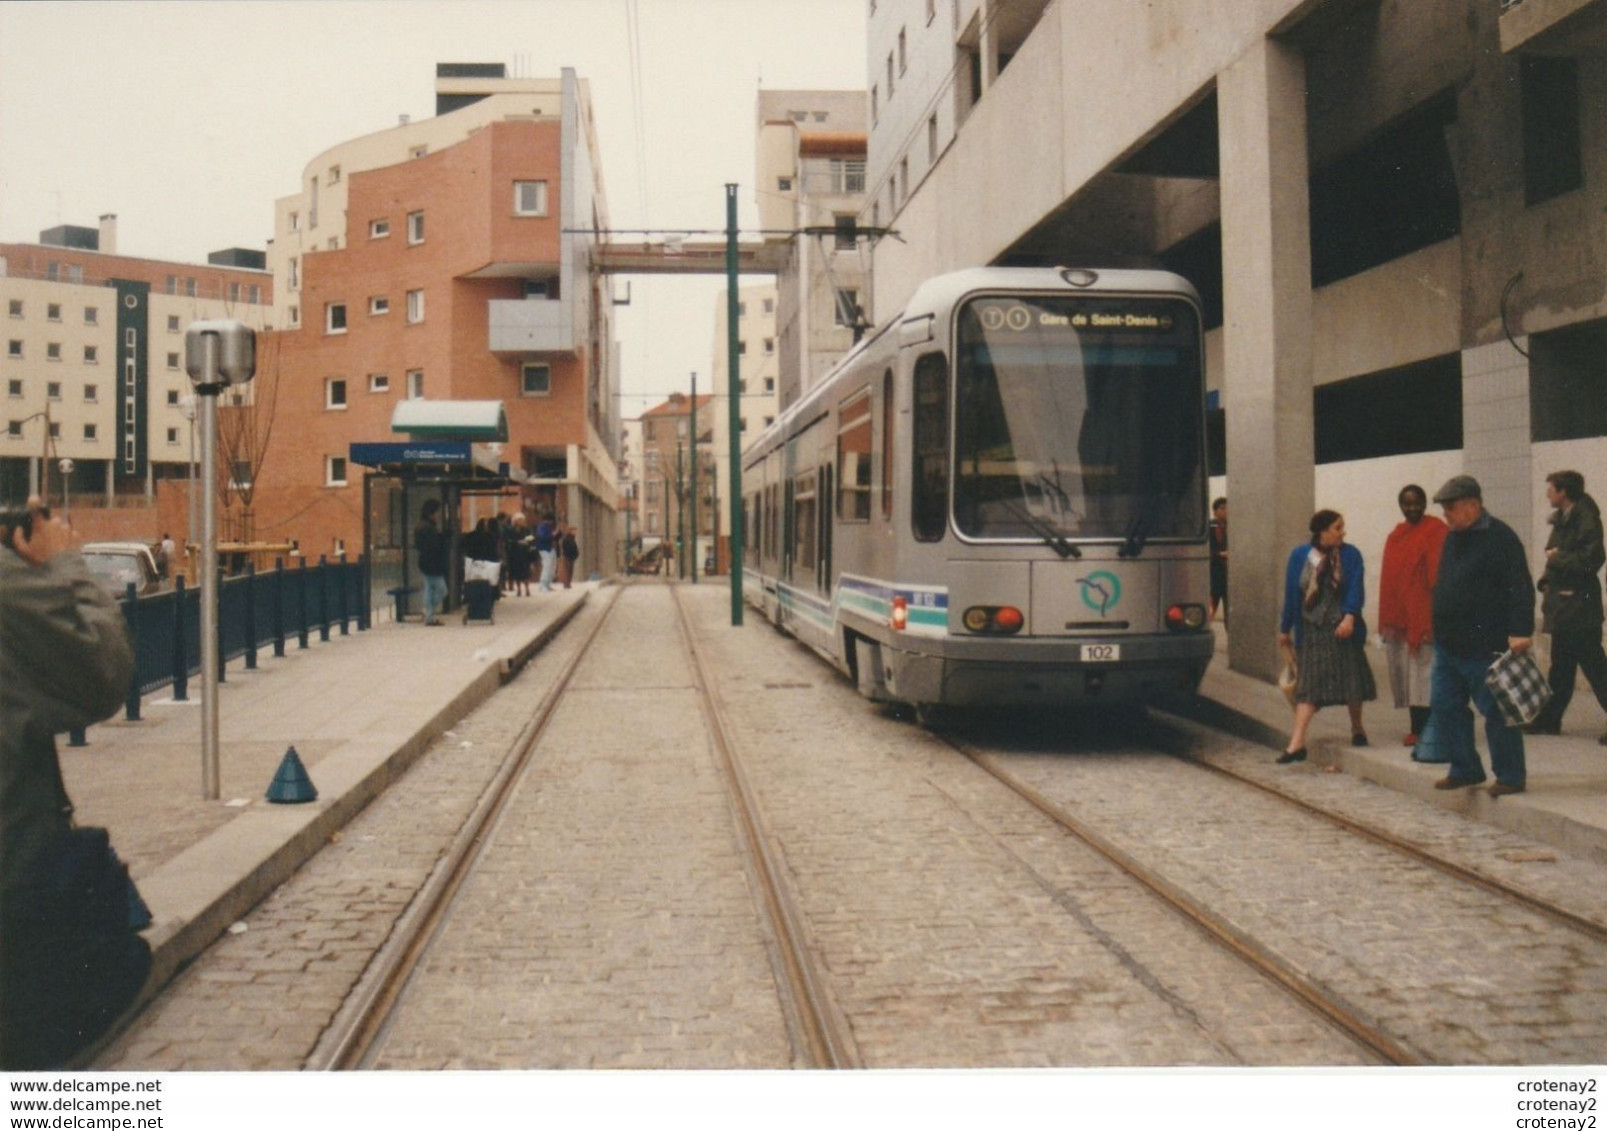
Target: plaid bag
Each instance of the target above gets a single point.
(1519, 687)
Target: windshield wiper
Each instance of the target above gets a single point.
(1138, 530)
(1050, 536)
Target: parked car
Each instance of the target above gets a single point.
(115, 564)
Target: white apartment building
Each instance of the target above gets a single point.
(759, 353)
(811, 192)
(1395, 213)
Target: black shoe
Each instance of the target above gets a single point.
(1602, 740)
(1501, 789)
(1457, 783)
(1359, 738)
(1539, 727)
(1292, 756)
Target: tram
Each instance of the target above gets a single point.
(999, 497)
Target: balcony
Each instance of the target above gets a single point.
(531, 325)
(1554, 27)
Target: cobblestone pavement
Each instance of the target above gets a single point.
(958, 926)
(610, 924)
(261, 998)
(1459, 975)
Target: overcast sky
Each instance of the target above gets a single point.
(189, 119)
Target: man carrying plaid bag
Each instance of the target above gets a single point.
(1483, 606)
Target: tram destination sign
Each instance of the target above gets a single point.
(1106, 316)
(431, 451)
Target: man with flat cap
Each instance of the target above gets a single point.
(1483, 606)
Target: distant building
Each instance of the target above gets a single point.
(94, 350)
(441, 259)
(759, 400)
(666, 486)
(811, 194)
(1393, 214)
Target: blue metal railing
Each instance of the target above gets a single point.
(255, 610)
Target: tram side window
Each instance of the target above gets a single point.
(854, 459)
(887, 444)
(804, 519)
(930, 439)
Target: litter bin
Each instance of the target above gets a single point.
(479, 597)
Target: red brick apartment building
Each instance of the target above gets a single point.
(444, 264)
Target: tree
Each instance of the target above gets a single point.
(245, 428)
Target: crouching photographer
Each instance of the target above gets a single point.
(71, 958)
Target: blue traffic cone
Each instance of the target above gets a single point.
(291, 785)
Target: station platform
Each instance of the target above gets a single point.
(1564, 805)
(360, 709)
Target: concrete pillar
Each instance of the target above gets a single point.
(1495, 433)
(987, 46)
(1266, 276)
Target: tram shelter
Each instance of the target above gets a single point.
(452, 453)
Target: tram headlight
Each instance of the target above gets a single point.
(901, 614)
(1185, 618)
(999, 619)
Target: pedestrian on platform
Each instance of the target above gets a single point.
(69, 964)
(1323, 595)
(167, 553)
(1571, 598)
(547, 549)
(1405, 605)
(432, 546)
(1219, 558)
(1483, 606)
(569, 551)
(521, 548)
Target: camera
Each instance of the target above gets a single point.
(14, 516)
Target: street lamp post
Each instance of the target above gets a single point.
(217, 353)
(187, 407)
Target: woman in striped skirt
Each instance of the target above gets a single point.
(1322, 616)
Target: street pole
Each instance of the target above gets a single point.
(733, 397)
(218, 353)
(680, 512)
(189, 540)
(693, 495)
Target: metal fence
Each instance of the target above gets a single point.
(255, 611)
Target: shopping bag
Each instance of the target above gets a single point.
(1289, 675)
(1519, 687)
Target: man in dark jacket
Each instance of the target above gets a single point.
(65, 662)
(1571, 598)
(1483, 606)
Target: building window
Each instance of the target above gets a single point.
(91, 394)
(742, 348)
(294, 313)
(335, 392)
(379, 383)
(1567, 382)
(53, 351)
(173, 396)
(415, 306)
(415, 227)
(295, 274)
(53, 390)
(769, 306)
(1553, 161)
(889, 74)
(14, 348)
(295, 221)
(845, 311)
(55, 429)
(91, 355)
(172, 361)
(256, 293)
(335, 471)
(875, 100)
(91, 316)
(418, 151)
(334, 175)
(234, 292)
(847, 174)
(415, 384)
(173, 435)
(334, 318)
(14, 388)
(16, 308)
(742, 424)
(189, 286)
(904, 178)
(535, 379)
(769, 384)
(847, 228)
(53, 311)
(90, 432)
(783, 184)
(378, 229)
(14, 429)
(530, 198)
(172, 323)
(769, 346)
(379, 304)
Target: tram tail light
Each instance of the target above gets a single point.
(1185, 618)
(997, 619)
(901, 614)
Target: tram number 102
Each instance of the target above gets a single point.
(1101, 653)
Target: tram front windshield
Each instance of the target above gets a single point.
(1078, 417)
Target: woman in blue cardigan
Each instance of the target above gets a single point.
(1323, 593)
